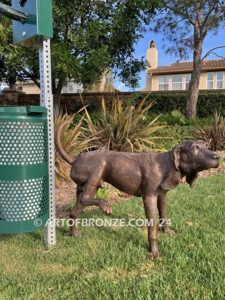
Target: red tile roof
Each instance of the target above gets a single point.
(187, 67)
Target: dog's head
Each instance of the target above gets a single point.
(193, 156)
(189, 158)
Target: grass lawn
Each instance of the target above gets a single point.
(112, 262)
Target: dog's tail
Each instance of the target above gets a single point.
(58, 144)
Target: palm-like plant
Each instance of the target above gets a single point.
(122, 128)
(213, 132)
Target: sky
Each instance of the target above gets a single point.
(164, 59)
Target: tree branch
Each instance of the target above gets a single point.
(32, 77)
(212, 51)
(183, 14)
(207, 16)
(215, 16)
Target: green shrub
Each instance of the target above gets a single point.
(174, 118)
(178, 117)
(176, 134)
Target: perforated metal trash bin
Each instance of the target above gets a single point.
(24, 199)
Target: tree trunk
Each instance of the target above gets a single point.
(12, 86)
(192, 97)
(57, 97)
(12, 83)
(57, 102)
(193, 90)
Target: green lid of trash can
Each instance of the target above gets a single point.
(24, 192)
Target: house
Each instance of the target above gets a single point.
(29, 87)
(105, 84)
(176, 77)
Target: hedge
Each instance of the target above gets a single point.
(164, 103)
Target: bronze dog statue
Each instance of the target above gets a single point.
(148, 175)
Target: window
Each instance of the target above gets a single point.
(210, 80)
(187, 80)
(219, 80)
(163, 83)
(177, 82)
(20, 88)
(79, 88)
(70, 87)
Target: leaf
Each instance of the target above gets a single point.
(189, 223)
(143, 276)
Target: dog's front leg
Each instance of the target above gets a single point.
(164, 227)
(150, 204)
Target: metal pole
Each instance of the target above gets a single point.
(46, 99)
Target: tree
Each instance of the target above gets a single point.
(15, 59)
(90, 36)
(186, 23)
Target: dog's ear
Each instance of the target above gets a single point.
(173, 177)
(171, 181)
(190, 178)
(176, 156)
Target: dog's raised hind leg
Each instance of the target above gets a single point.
(87, 199)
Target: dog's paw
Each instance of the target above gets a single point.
(105, 207)
(166, 230)
(73, 234)
(159, 228)
(154, 254)
(169, 231)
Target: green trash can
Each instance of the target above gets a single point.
(24, 192)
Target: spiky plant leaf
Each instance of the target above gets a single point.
(212, 132)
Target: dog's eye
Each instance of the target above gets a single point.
(196, 147)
